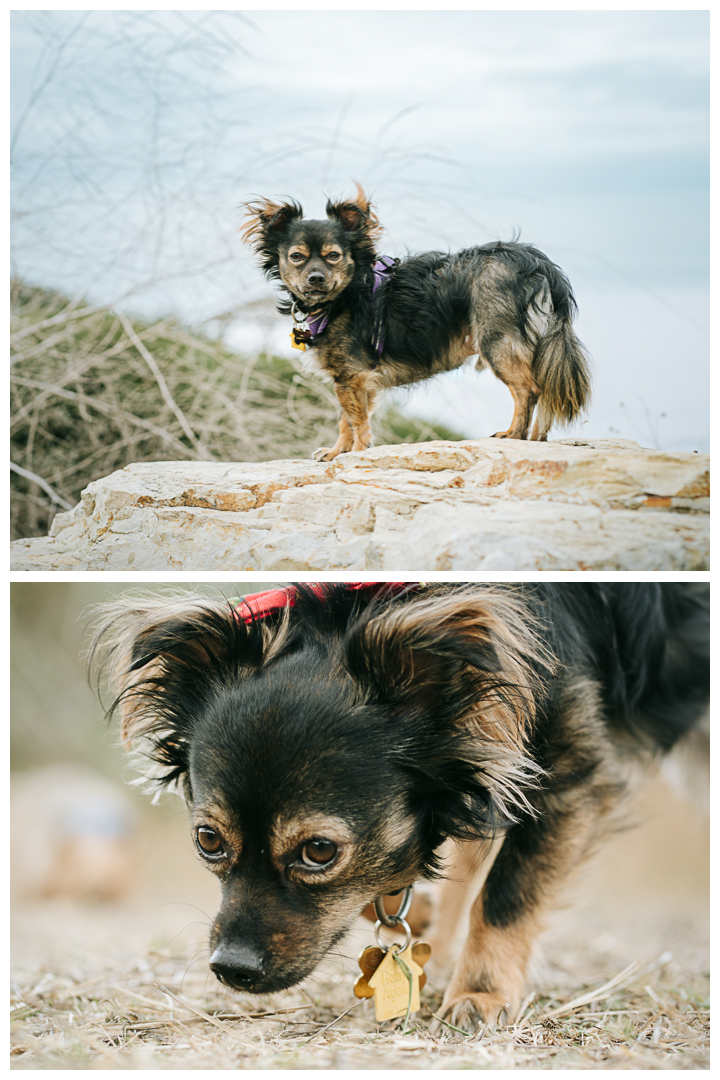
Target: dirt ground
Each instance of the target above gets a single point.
(126, 984)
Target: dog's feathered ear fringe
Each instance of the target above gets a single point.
(465, 669)
(161, 661)
(265, 224)
(357, 215)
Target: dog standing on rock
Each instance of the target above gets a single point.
(377, 322)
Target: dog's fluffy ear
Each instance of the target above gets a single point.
(357, 215)
(266, 221)
(465, 668)
(161, 661)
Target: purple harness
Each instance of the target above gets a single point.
(382, 269)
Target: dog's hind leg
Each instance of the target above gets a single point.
(543, 423)
(525, 400)
(510, 361)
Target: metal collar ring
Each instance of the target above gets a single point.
(399, 922)
(393, 920)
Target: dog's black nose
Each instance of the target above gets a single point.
(237, 965)
(316, 278)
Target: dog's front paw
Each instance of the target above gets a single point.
(471, 1012)
(325, 453)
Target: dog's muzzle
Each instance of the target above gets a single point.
(237, 966)
(317, 288)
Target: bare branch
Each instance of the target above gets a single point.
(41, 483)
(159, 379)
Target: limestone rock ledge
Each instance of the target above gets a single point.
(485, 504)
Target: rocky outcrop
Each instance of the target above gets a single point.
(480, 505)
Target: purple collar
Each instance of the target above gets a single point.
(317, 323)
(382, 269)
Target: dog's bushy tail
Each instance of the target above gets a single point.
(560, 365)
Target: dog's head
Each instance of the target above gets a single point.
(326, 751)
(315, 260)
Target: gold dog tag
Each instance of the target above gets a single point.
(392, 986)
(369, 961)
(295, 343)
(371, 958)
(300, 338)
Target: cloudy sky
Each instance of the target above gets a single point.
(138, 134)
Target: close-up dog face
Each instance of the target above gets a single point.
(316, 260)
(323, 770)
(297, 818)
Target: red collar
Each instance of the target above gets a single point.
(259, 605)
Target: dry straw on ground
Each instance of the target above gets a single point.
(160, 1011)
(92, 391)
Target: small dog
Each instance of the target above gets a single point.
(376, 323)
(329, 739)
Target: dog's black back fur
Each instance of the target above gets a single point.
(647, 645)
(439, 285)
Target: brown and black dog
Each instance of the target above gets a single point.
(376, 322)
(329, 741)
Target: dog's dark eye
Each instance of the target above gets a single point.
(332, 256)
(296, 257)
(209, 842)
(318, 852)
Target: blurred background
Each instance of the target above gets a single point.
(96, 869)
(97, 872)
(142, 328)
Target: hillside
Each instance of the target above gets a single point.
(93, 390)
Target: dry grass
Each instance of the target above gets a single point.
(92, 391)
(160, 1011)
(86, 984)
